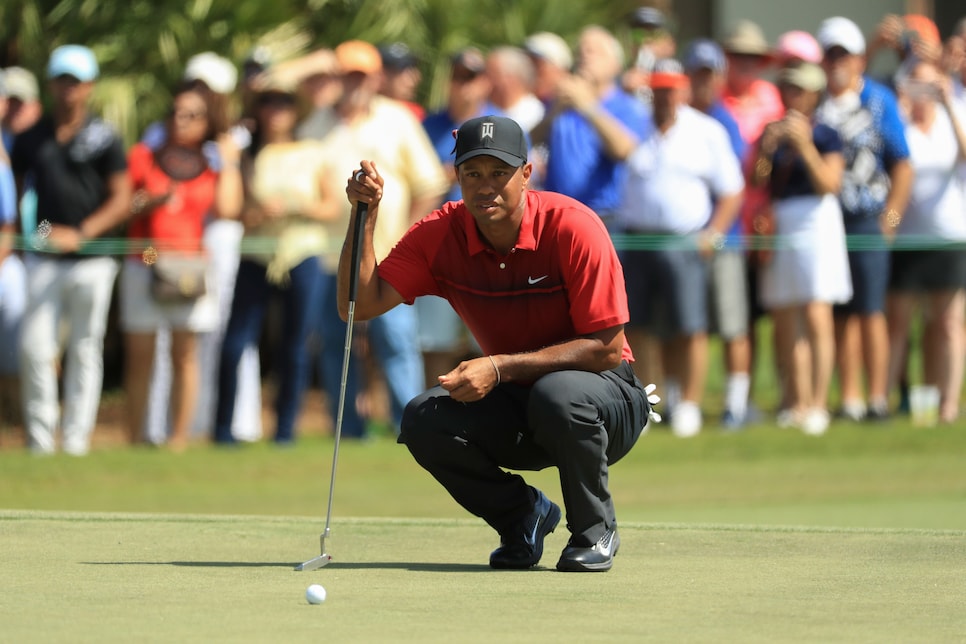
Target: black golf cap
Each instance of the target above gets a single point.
(397, 57)
(648, 18)
(495, 136)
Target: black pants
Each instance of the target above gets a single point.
(578, 421)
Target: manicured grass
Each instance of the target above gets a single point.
(888, 475)
(121, 578)
(761, 536)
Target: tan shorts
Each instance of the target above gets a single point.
(728, 295)
(141, 313)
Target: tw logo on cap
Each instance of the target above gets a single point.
(495, 136)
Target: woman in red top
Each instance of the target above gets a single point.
(175, 189)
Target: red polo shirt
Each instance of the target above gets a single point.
(561, 280)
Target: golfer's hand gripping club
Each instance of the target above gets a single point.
(362, 211)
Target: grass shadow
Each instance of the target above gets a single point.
(411, 566)
(362, 565)
(196, 564)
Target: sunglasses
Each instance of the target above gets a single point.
(188, 115)
(463, 76)
(276, 100)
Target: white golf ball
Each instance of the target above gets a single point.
(315, 594)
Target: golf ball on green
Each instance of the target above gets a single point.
(315, 594)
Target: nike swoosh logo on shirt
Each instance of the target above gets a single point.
(531, 280)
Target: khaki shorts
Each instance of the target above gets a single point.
(728, 304)
(141, 313)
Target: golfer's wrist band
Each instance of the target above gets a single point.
(495, 368)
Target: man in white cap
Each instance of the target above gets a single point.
(553, 60)
(77, 165)
(513, 77)
(875, 191)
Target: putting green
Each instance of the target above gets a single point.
(101, 577)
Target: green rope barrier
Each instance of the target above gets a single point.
(266, 245)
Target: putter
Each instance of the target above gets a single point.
(361, 212)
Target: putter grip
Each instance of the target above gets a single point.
(362, 210)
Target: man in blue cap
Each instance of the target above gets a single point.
(77, 165)
(729, 303)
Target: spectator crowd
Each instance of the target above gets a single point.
(738, 178)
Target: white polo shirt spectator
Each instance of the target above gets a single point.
(683, 183)
(673, 177)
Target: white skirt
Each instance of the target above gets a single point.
(810, 261)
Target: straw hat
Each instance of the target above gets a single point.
(746, 38)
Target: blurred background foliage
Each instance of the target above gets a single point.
(142, 45)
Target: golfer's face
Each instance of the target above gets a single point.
(493, 190)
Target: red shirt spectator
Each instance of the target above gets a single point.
(178, 221)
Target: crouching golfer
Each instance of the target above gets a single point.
(537, 281)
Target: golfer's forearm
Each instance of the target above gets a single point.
(367, 297)
(596, 353)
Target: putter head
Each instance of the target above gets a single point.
(315, 563)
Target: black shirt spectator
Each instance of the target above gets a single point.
(71, 179)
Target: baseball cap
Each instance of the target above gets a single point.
(471, 59)
(668, 74)
(808, 76)
(397, 57)
(495, 136)
(550, 47)
(923, 27)
(214, 71)
(73, 60)
(358, 56)
(705, 54)
(746, 38)
(648, 18)
(798, 45)
(21, 84)
(841, 32)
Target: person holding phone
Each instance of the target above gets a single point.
(801, 163)
(928, 260)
